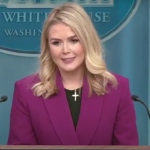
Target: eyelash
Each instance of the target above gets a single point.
(72, 41)
(55, 43)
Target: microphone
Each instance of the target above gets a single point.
(136, 98)
(3, 99)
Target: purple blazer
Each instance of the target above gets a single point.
(104, 120)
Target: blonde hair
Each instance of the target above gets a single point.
(78, 20)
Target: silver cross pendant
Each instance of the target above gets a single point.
(75, 95)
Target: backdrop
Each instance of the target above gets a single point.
(123, 26)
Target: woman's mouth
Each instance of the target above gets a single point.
(68, 60)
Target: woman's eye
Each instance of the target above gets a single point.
(56, 43)
(74, 40)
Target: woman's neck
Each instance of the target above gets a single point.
(72, 80)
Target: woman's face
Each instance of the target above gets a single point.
(65, 48)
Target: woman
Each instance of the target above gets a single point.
(74, 99)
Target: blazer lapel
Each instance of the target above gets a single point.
(59, 113)
(90, 113)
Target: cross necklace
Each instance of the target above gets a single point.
(75, 95)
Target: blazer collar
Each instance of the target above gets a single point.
(59, 113)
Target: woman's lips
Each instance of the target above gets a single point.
(68, 60)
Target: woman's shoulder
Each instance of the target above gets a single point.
(28, 81)
(120, 78)
(123, 85)
(121, 93)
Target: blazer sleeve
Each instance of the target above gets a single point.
(125, 129)
(21, 131)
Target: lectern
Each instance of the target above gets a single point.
(77, 147)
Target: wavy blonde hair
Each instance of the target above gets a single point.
(96, 72)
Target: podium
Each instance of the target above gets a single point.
(76, 147)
